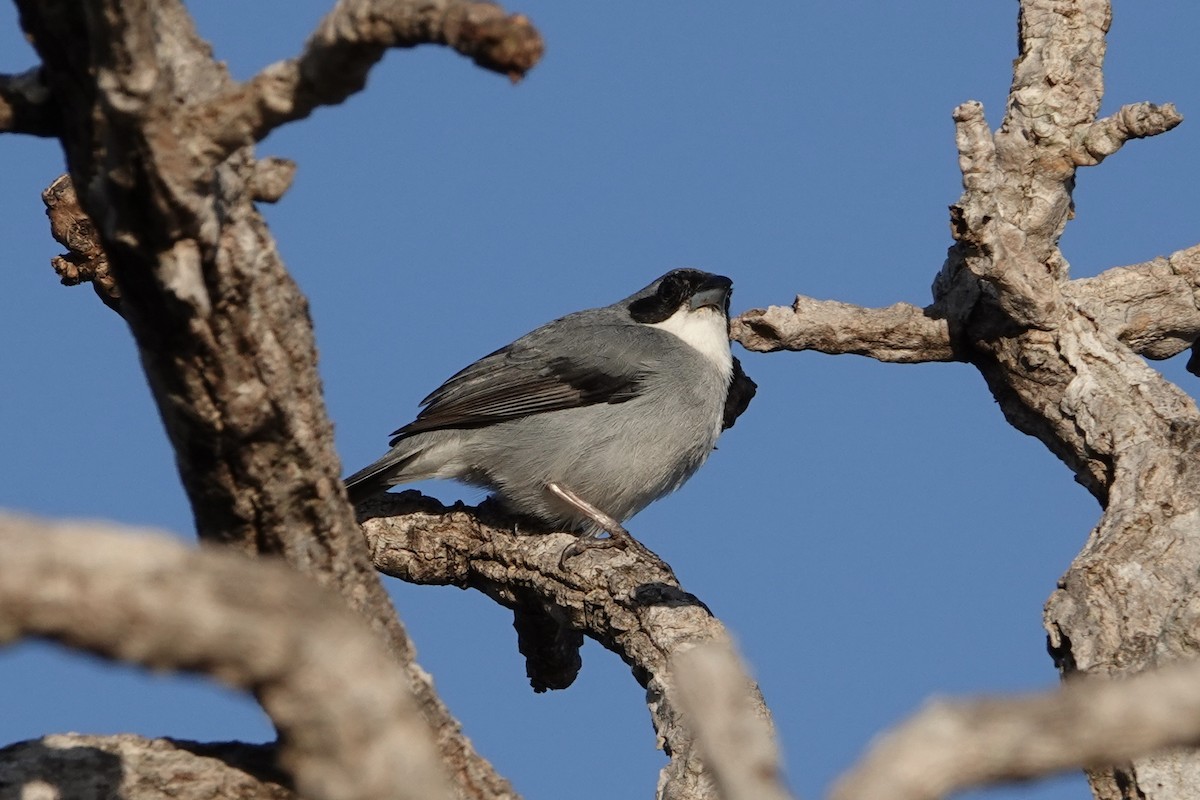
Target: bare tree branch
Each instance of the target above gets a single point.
(952, 745)
(1057, 356)
(271, 179)
(348, 725)
(26, 105)
(81, 767)
(223, 332)
(738, 742)
(629, 602)
(1059, 371)
(1137, 121)
(1154, 307)
(901, 332)
(349, 41)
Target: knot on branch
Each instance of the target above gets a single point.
(493, 39)
(271, 179)
(85, 260)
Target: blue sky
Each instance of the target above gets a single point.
(872, 534)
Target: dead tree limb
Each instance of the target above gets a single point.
(348, 724)
(953, 745)
(1062, 359)
(223, 332)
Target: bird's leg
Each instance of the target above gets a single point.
(617, 535)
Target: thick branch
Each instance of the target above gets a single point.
(1052, 354)
(350, 40)
(348, 726)
(1154, 308)
(80, 767)
(901, 332)
(26, 105)
(629, 603)
(223, 332)
(954, 745)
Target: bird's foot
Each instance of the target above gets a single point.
(617, 535)
(589, 541)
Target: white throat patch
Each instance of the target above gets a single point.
(705, 331)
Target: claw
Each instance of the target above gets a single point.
(617, 535)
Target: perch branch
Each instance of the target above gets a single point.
(630, 603)
(953, 745)
(26, 105)
(348, 725)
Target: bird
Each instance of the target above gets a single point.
(583, 422)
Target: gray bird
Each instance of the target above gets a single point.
(603, 410)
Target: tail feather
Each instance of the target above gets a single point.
(378, 477)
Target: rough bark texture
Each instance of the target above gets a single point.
(71, 765)
(348, 725)
(1062, 359)
(223, 332)
(158, 141)
(628, 601)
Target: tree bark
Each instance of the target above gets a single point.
(159, 143)
(349, 728)
(224, 334)
(1061, 358)
(628, 601)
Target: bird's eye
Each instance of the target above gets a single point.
(673, 291)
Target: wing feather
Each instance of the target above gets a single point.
(528, 378)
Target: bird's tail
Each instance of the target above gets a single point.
(378, 477)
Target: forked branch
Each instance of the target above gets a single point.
(349, 41)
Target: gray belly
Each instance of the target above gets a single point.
(619, 458)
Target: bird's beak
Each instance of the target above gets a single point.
(715, 294)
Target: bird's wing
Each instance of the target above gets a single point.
(559, 366)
